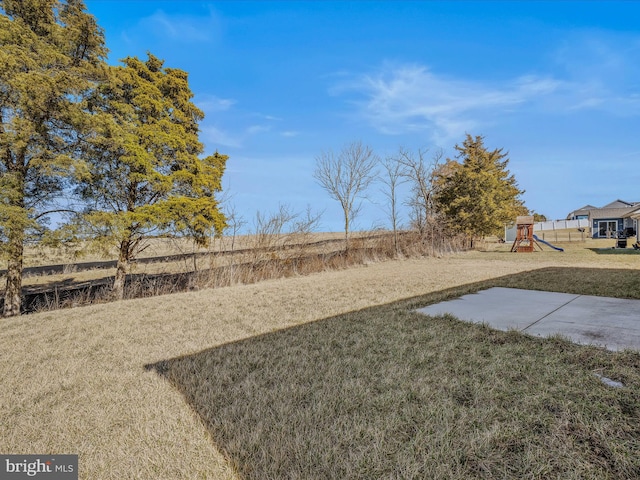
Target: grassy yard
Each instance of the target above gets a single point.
(331, 375)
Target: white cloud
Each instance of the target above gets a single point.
(214, 137)
(180, 28)
(412, 98)
(590, 71)
(599, 55)
(604, 68)
(290, 133)
(255, 129)
(238, 131)
(211, 103)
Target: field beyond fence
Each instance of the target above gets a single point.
(566, 235)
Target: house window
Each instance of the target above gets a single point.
(607, 228)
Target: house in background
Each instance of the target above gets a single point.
(608, 221)
(581, 213)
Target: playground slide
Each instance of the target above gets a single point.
(547, 243)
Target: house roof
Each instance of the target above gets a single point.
(620, 204)
(586, 208)
(581, 211)
(613, 212)
(607, 211)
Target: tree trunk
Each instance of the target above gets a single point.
(395, 235)
(13, 290)
(117, 291)
(346, 231)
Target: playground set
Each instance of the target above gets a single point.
(525, 239)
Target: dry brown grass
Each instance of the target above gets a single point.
(209, 258)
(220, 253)
(386, 393)
(162, 246)
(272, 256)
(74, 381)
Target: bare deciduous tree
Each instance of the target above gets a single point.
(419, 172)
(303, 227)
(284, 228)
(393, 176)
(269, 227)
(346, 177)
(235, 223)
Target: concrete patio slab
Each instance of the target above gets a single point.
(609, 322)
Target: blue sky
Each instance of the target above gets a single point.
(556, 84)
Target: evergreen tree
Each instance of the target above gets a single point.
(146, 175)
(476, 193)
(538, 217)
(50, 53)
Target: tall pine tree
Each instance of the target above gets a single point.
(51, 51)
(476, 194)
(146, 175)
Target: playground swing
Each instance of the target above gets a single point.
(525, 239)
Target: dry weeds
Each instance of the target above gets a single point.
(74, 381)
(167, 256)
(162, 246)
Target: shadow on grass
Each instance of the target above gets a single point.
(615, 251)
(388, 393)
